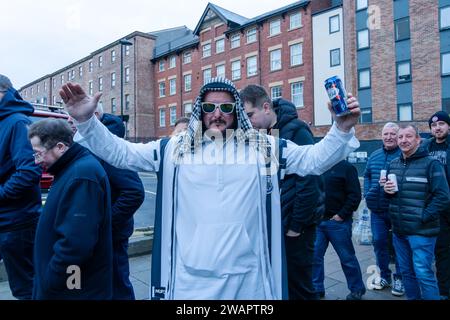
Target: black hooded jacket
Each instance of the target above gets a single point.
(127, 191)
(302, 198)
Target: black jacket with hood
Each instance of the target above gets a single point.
(127, 191)
(302, 198)
(20, 195)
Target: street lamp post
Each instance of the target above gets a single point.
(123, 42)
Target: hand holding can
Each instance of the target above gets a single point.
(393, 178)
(382, 180)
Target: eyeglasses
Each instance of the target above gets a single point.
(210, 107)
(39, 154)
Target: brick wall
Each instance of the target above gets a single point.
(425, 58)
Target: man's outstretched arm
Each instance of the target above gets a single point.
(93, 135)
(334, 147)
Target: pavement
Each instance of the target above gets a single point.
(335, 284)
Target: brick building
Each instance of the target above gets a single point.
(101, 72)
(394, 55)
(273, 50)
(397, 61)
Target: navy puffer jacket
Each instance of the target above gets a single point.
(373, 193)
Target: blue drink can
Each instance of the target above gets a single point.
(338, 96)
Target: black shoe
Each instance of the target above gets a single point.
(354, 296)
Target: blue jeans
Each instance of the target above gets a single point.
(381, 224)
(415, 255)
(340, 236)
(16, 247)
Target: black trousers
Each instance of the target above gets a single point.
(299, 256)
(122, 287)
(442, 252)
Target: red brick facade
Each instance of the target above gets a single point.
(211, 32)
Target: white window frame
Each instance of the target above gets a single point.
(127, 74)
(162, 89)
(295, 20)
(127, 102)
(276, 92)
(100, 83)
(236, 70)
(220, 45)
(252, 66)
(162, 118)
(207, 75)
(113, 56)
(187, 78)
(113, 105)
(172, 86)
(161, 66)
(275, 62)
(297, 90)
(274, 27)
(113, 80)
(100, 61)
(187, 114)
(91, 88)
(250, 35)
(172, 115)
(296, 58)
(187, 57)
(172, 62)
(222, 71)
(235, 41)
(206, 50)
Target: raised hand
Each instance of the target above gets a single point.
(345, 123)
(80, 106)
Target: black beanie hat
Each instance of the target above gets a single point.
(439, 116)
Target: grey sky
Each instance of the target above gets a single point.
(40, 37)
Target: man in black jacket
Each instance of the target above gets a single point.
(300, 204)
(417, 200)
(127, 195)
(20, 195)
(342, 198)
(73, 245)
(439, 148)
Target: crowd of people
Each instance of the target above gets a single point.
(246, 204)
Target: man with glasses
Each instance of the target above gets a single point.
(73, 245)
(20, 195)
(217, 221)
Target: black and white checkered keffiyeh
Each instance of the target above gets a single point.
(193, 136)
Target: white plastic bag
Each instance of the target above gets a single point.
(362, 232)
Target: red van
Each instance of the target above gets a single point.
(42, 111)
